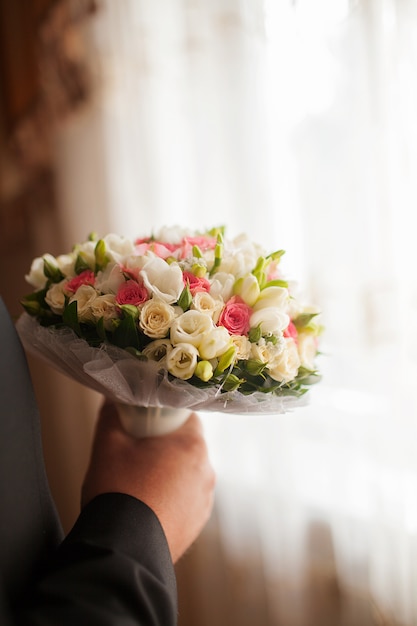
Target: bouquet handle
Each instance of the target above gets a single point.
(151, 421)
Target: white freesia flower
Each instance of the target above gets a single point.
(270, 320)
(182, 360)
(36, 276)
(110, 279)
(242, 345)
(66, 264)
(284, 367)
(276, 297)
(104, 307)
(55, 297)
(172, 234)
(222, 285)
(158, 350)
(214, 343)
(163, 280)
(86, 251)
(240, 256)
(84, 296)
(191, 327)
(137, 262)
(118, 248)
(247, 288)
(205, 303)
(156, 318)
(307, 349)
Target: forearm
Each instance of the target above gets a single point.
(114, 568)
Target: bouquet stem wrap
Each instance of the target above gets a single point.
(150, 421)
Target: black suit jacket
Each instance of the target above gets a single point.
(114, 567)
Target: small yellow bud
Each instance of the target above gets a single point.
(204, 371)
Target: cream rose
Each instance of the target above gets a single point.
(271, 320)
(276, 297)
(242, 345)
(163, 280)
(182, 360)
(158, 351)
(191, 327)
(266, 351)
(84, 296)
(104, 307)
(156, 318)
(284, 367)
(55, 297)
(307, 349)
(214, 343)
(205, 303)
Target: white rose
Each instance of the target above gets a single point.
(205, 303)
(215, 343)
(117, 247)
(270, 320)
(109, 280)
(158, 351)
(284, 367)
(191, 327)
(84, 296)
(163, 280)
(104, 307)
(156, 318)
(242, 345)
(222, 285)
(55, 297)
(307, 349)
(182, 360)
(276, 297)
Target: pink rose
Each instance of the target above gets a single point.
(195, 283)
(235, 316)
(132, 292)
(85, 278)
(291, 331)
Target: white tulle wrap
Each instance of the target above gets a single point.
(140, 388)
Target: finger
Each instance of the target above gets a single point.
(193, 424)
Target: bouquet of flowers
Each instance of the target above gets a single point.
(179, 319)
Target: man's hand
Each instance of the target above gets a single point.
(171, 474)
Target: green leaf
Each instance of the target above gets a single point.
(232, 382)
(70, 317)
(185, 299)
(126, 334)
(101, 331)
(254, 367)
(255, 334)
(303, 320)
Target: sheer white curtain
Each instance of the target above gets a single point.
(293, 121)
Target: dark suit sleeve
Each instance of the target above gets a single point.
(114, 568)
